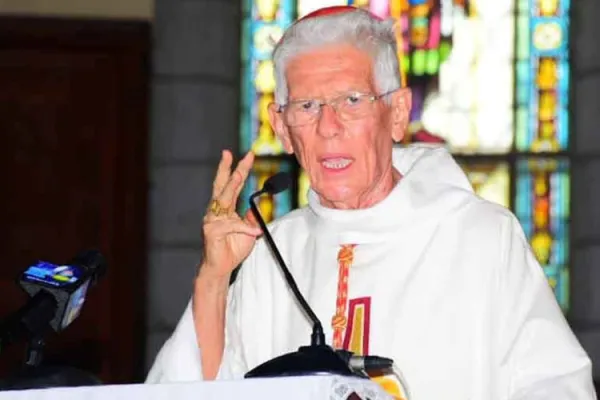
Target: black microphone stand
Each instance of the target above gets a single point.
(318, 358)
(35, 375)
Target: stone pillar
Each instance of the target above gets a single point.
(195, 86)
(585, 206)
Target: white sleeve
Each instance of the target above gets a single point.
(179, 358)
(537, 346)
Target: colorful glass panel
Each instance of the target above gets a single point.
(271, 207)
(542, 68)
(303, 187)
(542, 206)
(265, 22)
(490, 181)
(471, 108)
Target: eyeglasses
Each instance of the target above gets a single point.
(348, 107)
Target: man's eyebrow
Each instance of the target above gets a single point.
(336, 94)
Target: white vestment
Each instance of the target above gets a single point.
(443, 282)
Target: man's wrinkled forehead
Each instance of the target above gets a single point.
(329, 70)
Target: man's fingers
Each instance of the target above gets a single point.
(223, 173)
(248, 163)
(236, 182)
(244, 173)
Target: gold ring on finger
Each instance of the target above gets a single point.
(216, 208)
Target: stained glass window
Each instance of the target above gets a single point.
(542, 206)
(542, 74)
(303, 186)
(490, 80)
(490, 180)
(264, 24)
(271, 207)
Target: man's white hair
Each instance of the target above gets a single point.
(357, 28)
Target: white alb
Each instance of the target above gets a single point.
(443, 282)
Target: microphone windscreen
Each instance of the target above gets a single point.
(277, 183)
(93, 261)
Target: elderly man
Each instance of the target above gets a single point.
(394, 247)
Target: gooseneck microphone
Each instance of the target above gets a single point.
(318, 358)
(274, 185)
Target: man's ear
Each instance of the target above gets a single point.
(400, 109)
(280, 128)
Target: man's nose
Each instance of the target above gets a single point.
(328, 124)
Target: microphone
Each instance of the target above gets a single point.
(57, 294)
(274, 185)
(318, 357)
